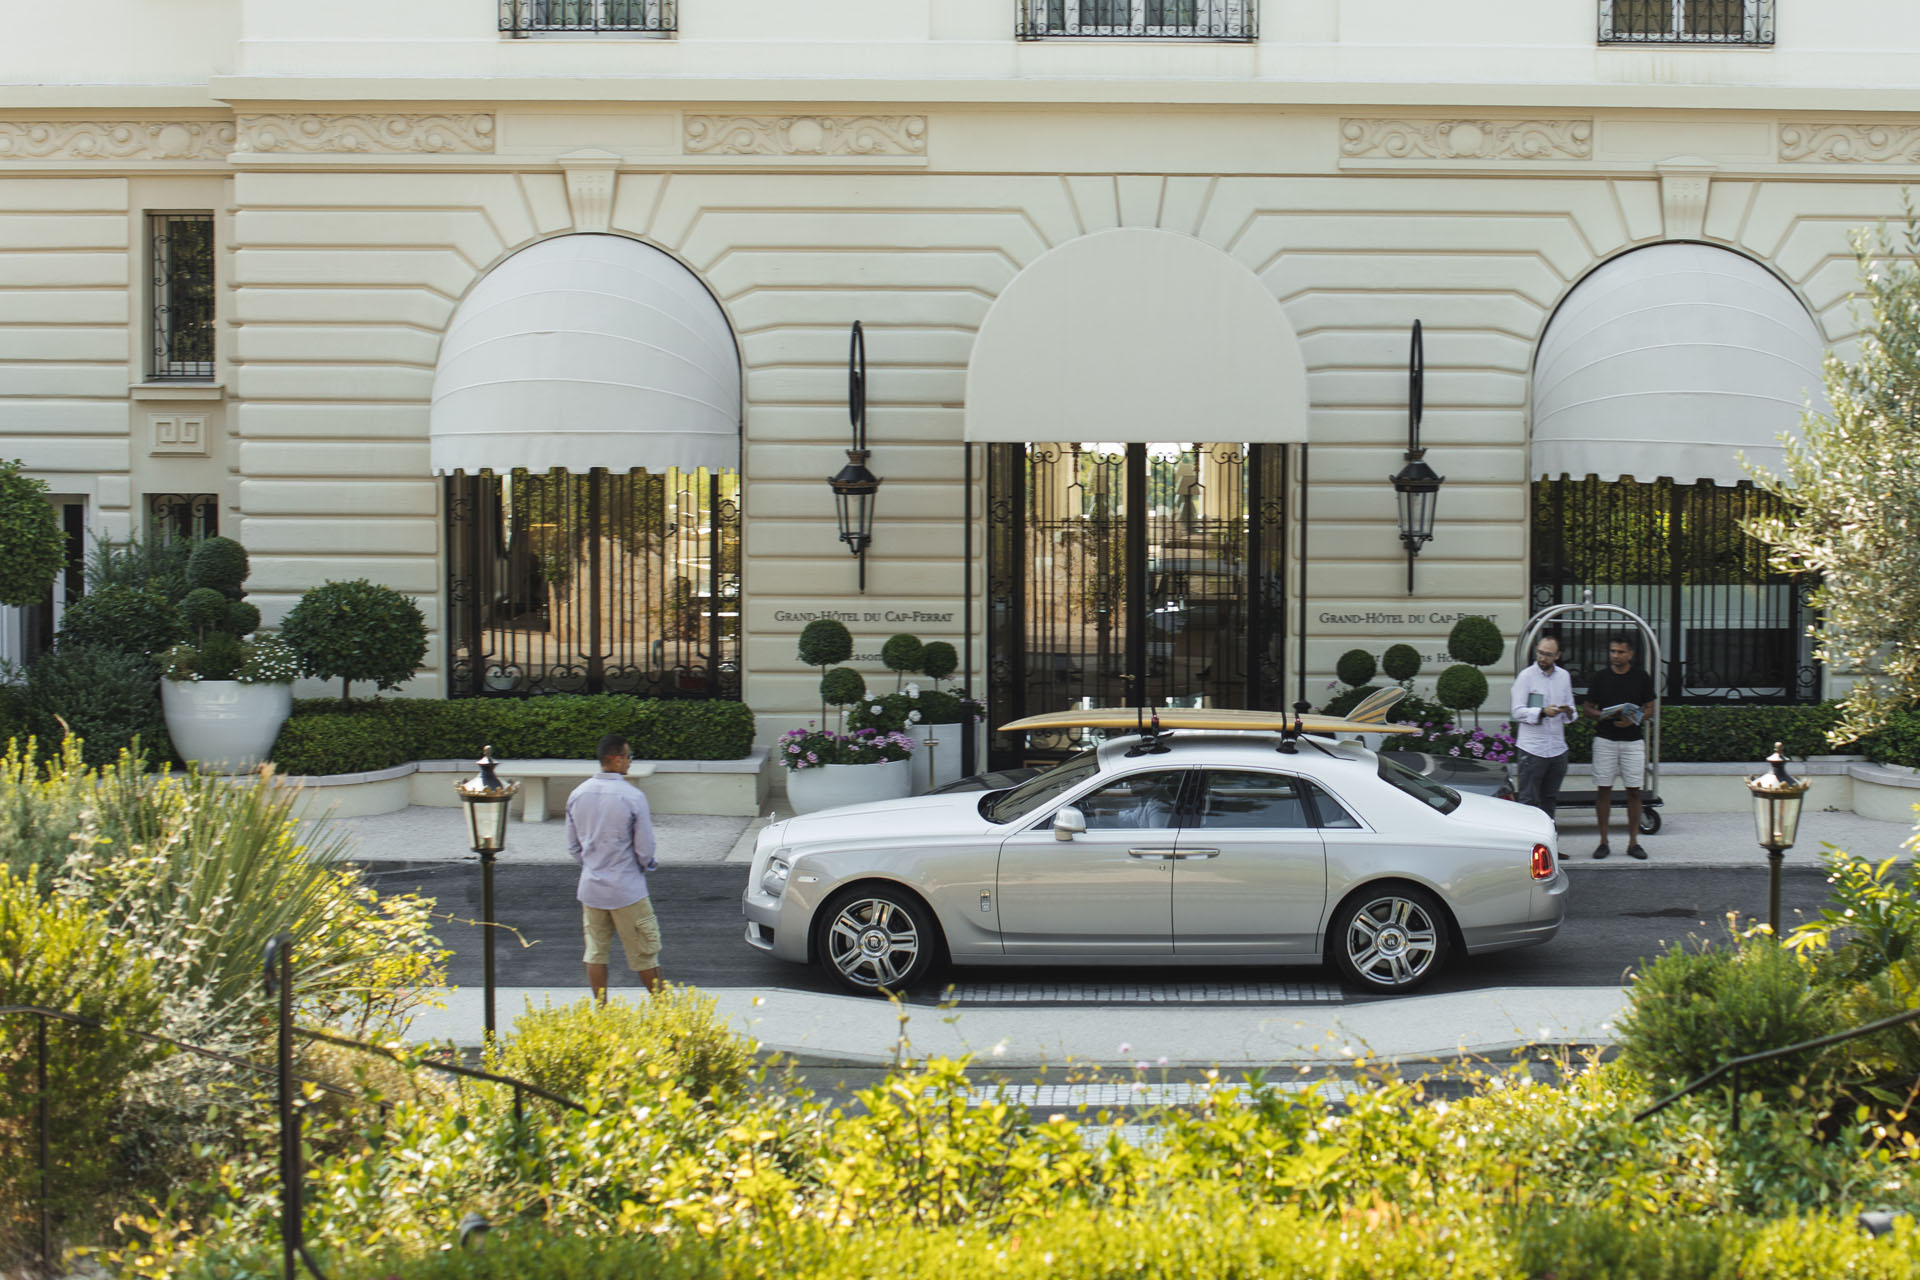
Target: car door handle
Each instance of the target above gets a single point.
(1152, 854)
(1197, 853)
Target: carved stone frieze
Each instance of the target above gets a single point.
(310, 133)
(1850, 143)
(1466, 139)
(806, 135)
(115, 139)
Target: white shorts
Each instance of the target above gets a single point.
(1626, 761)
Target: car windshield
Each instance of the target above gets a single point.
(1421, 788)
(1008, 806)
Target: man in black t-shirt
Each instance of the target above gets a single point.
(1620, 698)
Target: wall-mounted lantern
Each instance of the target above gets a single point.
(1417, 487)
(854, 487)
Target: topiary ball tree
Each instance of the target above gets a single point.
(357, 630)
(842, 687)
(823, 643)
(1476, 640)
(1356, 667)
(1461, 688)
(218, 564)
(901, 654)
(36, 549)
(1401, 662)
(939, 660)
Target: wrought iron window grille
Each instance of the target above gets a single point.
(523, 18)
(1718, 22)
(183, 515)
(181, 278)
(1137, 19)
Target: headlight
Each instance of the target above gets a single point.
(773, 881)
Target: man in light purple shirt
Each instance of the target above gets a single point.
(610, 834)
(1542, 707)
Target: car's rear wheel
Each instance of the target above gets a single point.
(876, 939)
(1390, 939)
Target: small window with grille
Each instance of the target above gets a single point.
(522, 18)
(1175, 19)
(1741, 22)
(183, 515)
(180, 261)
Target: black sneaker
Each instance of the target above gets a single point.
(1635, 851)
(1603, 850)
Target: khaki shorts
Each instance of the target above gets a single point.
(639, 934)
(1626, 761)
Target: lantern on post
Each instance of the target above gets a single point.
(1417, 486)
(487, 800)
(1776, 819)
(854, 487)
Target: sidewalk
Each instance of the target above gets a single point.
(862, 1031)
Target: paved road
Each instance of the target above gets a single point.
(1618, 916)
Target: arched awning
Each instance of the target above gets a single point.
(1674, 360)
(587, 351)
(1136, 335)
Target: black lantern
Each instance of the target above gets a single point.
(1776, 819)
(854, 487)
(1417, 487)
(487, 800)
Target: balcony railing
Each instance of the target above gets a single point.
(1741, 22)
(1142, 19)
(523, 18)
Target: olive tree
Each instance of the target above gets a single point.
(1850, 494)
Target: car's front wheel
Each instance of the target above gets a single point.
(1390, 939)
(877, 939)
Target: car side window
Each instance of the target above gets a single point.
(1139, 801)
(1332, 812)
(1238, 800)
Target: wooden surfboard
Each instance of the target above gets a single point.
(1368, 717)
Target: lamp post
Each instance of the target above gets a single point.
(1776, 819)
(487, 799)
(854, 487)
(1417, 486)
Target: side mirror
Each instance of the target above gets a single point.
(1068, 823)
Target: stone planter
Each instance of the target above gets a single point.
(830, 786)
(936, 761)
(224, 726)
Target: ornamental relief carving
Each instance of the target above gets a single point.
(1850, 143)
(806, 135)
(115, 139)
(1467, 139)
(312, 133)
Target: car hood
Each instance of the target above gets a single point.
(1506, 815)
(894, 819)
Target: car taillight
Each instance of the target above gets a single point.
(1542, 862)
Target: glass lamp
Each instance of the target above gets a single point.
(487, 799)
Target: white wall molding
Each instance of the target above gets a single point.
(115, 139)
(1684, 181)
(1413, 139)
(1831, 143)
(591, 176)
(313, 132)
(806, 135)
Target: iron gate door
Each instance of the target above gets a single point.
(1117, 573)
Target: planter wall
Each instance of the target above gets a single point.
(223, 726)
(830, 786)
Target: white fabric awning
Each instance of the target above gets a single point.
(587, 351)
(1136, 335)
(1673, 361)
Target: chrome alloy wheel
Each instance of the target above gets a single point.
(873, 943)
(1392, 942)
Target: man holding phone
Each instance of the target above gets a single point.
(1542, 706)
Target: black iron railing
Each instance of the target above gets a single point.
(1730, 1070)
(278, 973)
(1738, 22)
(180, 262)
(522, 18)
(1143, 19)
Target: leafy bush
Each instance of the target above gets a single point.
(1461, 688)
(36, 548)
(824, 642)
(110, 700)
(939, 660)
(153, 561)
(218, 564)
(1897, 742)
(675, 1035)
(901, 654)
(1355, 667)
(1401, 662)
(357, 630)
(13, 714)
(138, 621)
(842, 686)
(1476, 640)
(1866, 943)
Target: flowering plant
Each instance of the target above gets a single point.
(911, 706)
(809, 748)
(1441, 738)
(265, 659)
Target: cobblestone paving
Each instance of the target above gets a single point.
(990, 993)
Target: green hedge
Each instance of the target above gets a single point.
(1721, 734)
(325, 735)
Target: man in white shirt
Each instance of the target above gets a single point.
(1542, 707)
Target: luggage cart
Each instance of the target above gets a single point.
(1612, 616)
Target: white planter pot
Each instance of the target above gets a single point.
(936, 761)
(223, 726)
(829, 786)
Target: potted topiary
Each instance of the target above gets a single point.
(357, 630)
(825, 642)
(1476, 640)
(225, 697)
(842, 687)
(826, 770)
(901, 654)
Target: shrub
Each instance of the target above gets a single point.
(939, 660)
(13, 714)
(108, 699)
(357, 630)
(157, 562)
(36, 548)
(901, 654)
(842, 686)
(1461, 688)
(204, 609)
(218, 564)
(1355, 667)
(675, 1035)
(138, 621)
(824, 642)
(1400, 662)
(1476, 640)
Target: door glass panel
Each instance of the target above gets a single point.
(1333, 814)
(1197, 574)
(1137, 802)
(1237, 800)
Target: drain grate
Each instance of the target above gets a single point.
(1005, 993)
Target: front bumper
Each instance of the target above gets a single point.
(775, 925)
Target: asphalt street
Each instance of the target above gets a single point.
(1616, 918)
